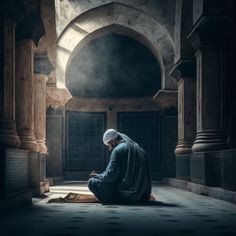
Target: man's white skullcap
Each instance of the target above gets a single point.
(109, 135)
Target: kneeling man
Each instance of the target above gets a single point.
(127, 175)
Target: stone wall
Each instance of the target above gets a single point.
(162, 11)
(56, 130)
(168, 143)
(70, 25)
(112, 106)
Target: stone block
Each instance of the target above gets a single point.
(229, 169)
(42, 166)
(183, 166)
(14, 178)
(33, 169)
(215, 192)
(50, 181)
(37, 173)
(16, 171)
(205, 168)
(46, 186)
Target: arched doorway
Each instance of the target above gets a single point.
(112, 80)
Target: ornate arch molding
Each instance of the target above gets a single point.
(120, 19)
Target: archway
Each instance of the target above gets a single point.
(134, 23)
(109, 72)
(120, 19)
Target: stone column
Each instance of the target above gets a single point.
(186, 115)
(42, 68)
(210, 104)
(8, 134)
(37, 161)
(25, 94)
(231, 86)
(40, 111)
(184, 73)
(207, 38)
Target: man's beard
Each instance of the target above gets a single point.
(113, 145)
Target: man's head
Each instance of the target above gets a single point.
(111, 138)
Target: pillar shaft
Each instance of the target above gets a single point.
(186, 115)
(25, 94)
(231, 85)
(210, 88)
(40, 111)
(8, 134)
(184, 72)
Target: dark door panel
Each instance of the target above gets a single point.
(144, 128)
(85, 150)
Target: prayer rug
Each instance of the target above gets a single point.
(84, 198)
(75, 198)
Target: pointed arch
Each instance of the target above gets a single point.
(120, 19)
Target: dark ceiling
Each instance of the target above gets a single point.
(113, 66)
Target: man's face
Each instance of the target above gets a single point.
(112, 144)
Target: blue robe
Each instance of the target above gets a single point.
(127, 175)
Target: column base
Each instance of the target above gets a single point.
(205, 168)
(183, 166)
(183, 149)
(42, 146)
(229, 169)
(209, 141)
(39, 190)
(28, 141)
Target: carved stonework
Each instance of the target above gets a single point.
(57, 97)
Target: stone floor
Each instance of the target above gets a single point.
(177, 212)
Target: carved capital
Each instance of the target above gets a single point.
(184, 69)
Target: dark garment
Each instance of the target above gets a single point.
(127, 176)
(105, 192)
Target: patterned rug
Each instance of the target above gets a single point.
(85, 198)
(75, 198)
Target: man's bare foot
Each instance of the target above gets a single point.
(152, 198)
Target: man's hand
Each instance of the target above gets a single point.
(93, 174)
